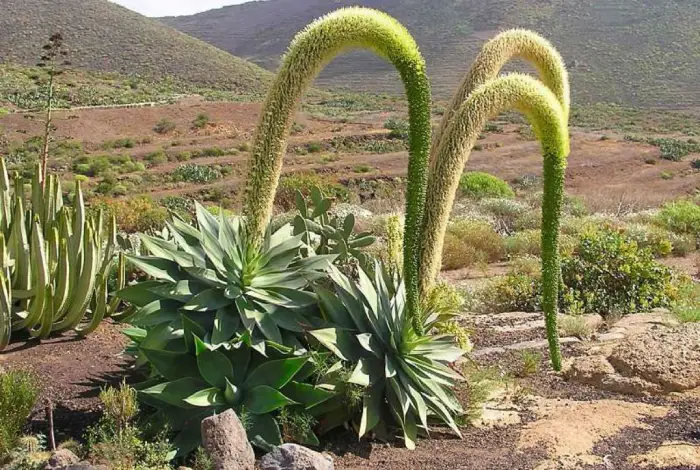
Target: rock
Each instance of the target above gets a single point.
(598, 372)
(668, 358)
(669, 455)
(295, 457)
(225, 439)
(61, 459)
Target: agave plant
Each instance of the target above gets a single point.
(54, 261)
(402, 372)
(212, 275)
(330, 234)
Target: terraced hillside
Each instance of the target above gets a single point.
(634, 52)
(103, 36)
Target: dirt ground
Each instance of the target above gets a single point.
(609, 172)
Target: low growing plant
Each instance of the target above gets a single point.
(19, 391)
(478, 185)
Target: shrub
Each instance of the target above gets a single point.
(651, 237)
(610, 274)
(200, 121)
(514, 292)
(138, 214)
(304, 182)
(164, 126)
(314, 147)
(18, 394)
(506, 213)
(468, 242)
(399, 128)
(479, 185)
(212, 152)
(116, 439)
(681, 216)
(687, 308)
(574, 326)
(199, 174)
(183, 156)
(528, 242)
(156, 158)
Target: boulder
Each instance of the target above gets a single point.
(61, 459)
(668, 358)
(295, 457)
(225, 439)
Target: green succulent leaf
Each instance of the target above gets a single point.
(211, 299)
(171, 365)
(174, 393)
(265, 429)
(306, 394)
(264, 399)
(214, 367)
(275, 374)
(159, 268)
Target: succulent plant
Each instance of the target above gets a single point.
(55, 260)
(333, 235)
(402, 372)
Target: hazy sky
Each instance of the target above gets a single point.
(174, 7)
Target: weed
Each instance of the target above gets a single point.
(574, 326)
(156, 158)
(201, 121)
(18, 394)
(399, 128)
(362, 168)
(164, 126)
(468, 242)
(529, 363)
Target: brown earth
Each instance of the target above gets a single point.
(609, 174)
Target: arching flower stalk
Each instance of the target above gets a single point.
(311, 50)
(546, 115)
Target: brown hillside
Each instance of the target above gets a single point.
(107, 37)
(635, 52)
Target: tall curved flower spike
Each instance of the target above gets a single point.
(542, 109)
(310, 51)
(514, 43)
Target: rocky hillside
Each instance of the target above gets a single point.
(635, 52)
(103, 36)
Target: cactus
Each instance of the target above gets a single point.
(54, 261)
(544, 111)
(314, 47)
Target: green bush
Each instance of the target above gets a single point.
(138, 214)
(399, 128)
(514, 292)
(18, 394)
(201, 121)
(212, 152)
(192, 173)
(682, 217)
(478, 185)
(610, 274)
(656, 239)
(156, 158)
(164, 126)
(506, 214)
(304, 182)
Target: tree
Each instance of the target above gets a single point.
(54, 60)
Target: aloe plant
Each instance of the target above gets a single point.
(318, 44)
(54, 260)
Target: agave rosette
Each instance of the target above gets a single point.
(211, 281)
(397, 367)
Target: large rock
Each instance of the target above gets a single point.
(295, 457)
(61, 459)
(225, 439)
(668, 358)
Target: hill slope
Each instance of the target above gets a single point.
(635, 52)
(103, 36)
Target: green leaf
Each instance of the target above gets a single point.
(182, 291)
(342, 343)
(264, 427)
(240, 358)
(367, 372)
(171, 365)
(215, 368)
(226, 323)
(174, 393)
(276, 373)
(211, 299)
(159, 268)
(155, 313)
(205, 398)
(232, 393)
(140, 294)
(371, 408)
(263, 399)
(306, 394)
(206, 221)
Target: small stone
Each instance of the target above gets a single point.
(61, 459)
(225, 439)
(295, 457)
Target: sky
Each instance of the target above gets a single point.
(174, 7)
